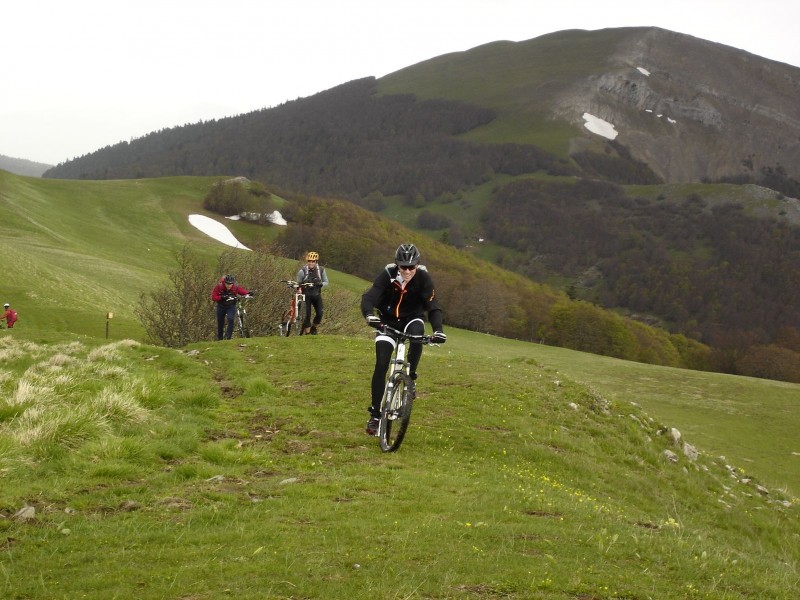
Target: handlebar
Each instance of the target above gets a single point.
(402, 335)
(294, 284)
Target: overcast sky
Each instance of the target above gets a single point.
(79, 75)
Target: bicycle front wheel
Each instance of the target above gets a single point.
(243, 330)
(299, 315)
(285, 326)
(395, 412)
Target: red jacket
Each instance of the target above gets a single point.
(220, 291)
(10, 316)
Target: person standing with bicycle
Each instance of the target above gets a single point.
(401, 294)
(224, 294)
(312, 278)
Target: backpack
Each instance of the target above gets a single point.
(13, 317)
(320, 269)
(318, 279)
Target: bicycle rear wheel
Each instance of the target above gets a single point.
(395, 413)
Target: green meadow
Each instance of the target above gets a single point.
(240, 469)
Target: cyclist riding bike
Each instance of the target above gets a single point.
(401, 294)
(224, 294)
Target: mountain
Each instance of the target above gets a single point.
(687, 219)
(686, 109)
(690, 109)
(21, 166)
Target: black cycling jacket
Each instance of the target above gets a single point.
(393, 302)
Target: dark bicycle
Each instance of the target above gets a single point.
(241, 315)
(398, 396)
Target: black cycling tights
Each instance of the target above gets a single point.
(316, 302)
(383, 355)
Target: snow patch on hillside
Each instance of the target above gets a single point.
(216, 230)
(599, 126)
(275, 217)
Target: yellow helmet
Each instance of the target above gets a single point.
(312, 256)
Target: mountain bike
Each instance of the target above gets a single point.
(293, 317)
(241, 315)
(398, 396)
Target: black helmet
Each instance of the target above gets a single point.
(406, 255)
(229, 278)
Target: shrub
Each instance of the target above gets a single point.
(233, 197)
(770, 362)
(583, 326)
(178, 313)
(428, 220)
(694, 355)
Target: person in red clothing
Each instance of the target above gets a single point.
(10, 316)
(224, 294)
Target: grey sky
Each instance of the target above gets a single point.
(81, 75)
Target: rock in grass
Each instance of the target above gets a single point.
(26, 513)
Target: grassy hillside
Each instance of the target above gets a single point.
(241, 470)
(96, 246)
(84, 248)
(76, 250)
(738, 417)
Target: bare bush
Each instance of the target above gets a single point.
(179, 312)
(342, 313)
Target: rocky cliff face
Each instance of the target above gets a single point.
(693, 109)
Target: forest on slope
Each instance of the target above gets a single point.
(711, 270)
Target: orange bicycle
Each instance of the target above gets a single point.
(292, 319)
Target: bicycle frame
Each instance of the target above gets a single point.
(293, 315)
(241, 316)
(399, 363)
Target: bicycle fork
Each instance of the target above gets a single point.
(392, 403)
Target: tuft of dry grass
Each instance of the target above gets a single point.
(110, 351)
(67, 396)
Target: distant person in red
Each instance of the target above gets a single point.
(10, 316)
(224, 294)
